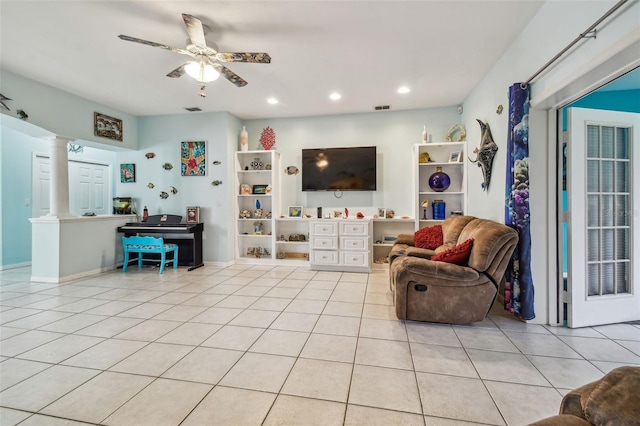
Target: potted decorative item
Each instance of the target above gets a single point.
(439, 181)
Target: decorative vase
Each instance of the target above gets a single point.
(257, 164)
(439, 181)
(244, 139)
(438, 209)
(425, 135)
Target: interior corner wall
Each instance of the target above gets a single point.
(62, 113)
(545, 35)
(393, 133)
(162, 135)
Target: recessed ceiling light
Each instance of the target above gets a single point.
(404, 89)
(272, 101)
(335, 96)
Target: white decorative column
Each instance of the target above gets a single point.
(59, 177)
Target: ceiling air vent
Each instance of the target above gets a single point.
(381, 107)
(193, 109)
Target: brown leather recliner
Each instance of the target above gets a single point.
(426, 290)
(612, 400)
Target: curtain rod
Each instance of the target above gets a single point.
(585, 34)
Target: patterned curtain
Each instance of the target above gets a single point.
(518, 295)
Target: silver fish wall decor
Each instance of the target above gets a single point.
(167, 166)
(164, 195)
(485, 153)
(291, 170)
(174, 190)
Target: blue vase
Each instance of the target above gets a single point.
(438, 209)
(439, 181)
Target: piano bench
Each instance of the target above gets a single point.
(142, 245)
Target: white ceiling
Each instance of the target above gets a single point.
(363, 49)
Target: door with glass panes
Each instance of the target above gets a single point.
(604, 210)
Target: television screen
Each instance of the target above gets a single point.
(339, 169)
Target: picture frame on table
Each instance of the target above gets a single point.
(382, 213)
(337, 214)
(455, 157)
(295, 211)
(193, 214)
(259, 189)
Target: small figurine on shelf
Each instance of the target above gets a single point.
(145, 214)
(346, 213)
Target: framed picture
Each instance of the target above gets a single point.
(388, 239)
(127, 173)
(337, 214)
(107, 127)
(259, 189)
(295, 211)
(193, 158)
(455, 157)
(382, 212)
(193, 215)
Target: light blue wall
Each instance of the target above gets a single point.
(63, 113)
(162, 135)
(17, 150)
(613, 100)
(393, 133)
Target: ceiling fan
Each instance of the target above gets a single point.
(205, 67)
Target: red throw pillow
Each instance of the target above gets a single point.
(429, 237)
(457, 255)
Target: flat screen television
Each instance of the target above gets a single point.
(339, 169)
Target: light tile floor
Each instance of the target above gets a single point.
(252, 345)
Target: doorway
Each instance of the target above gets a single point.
(598, 205)
(89, 187)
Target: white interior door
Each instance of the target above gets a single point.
(603, 202)
(89, 187)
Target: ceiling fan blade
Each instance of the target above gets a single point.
(260, 58)
(178, 72)
(230, 75)
(154, 44)
(195, 30)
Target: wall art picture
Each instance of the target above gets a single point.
(107, 127)
(259, 189)
(193, 158)
(127, 173)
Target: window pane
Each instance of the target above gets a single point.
(593, 176)
(622, 277)
(607, 210)
(608, 244)
(593, 245)
(593, 136)
(622, 143)
(607, 142)
(622, 244)
(608, 270)
(607, 176)
(622, 176)
(622, 210)
(593, 279)
(593, 210)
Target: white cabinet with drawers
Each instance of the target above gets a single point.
(340, 245)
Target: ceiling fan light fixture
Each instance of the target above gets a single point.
(201, 71)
